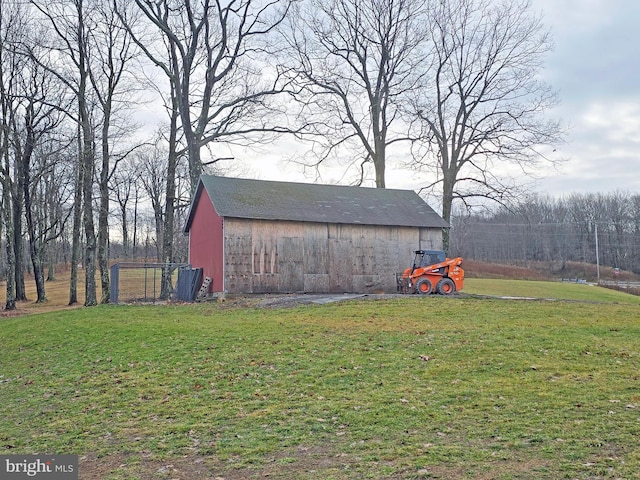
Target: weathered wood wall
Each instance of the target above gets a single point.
(283, 257)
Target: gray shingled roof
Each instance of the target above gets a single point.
(269, 200)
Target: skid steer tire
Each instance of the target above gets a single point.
(446, 287)
(424, 286)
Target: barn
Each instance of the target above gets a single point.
(255, 236)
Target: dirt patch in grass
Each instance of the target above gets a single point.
(515, 469)
(143, 467)
(295, 463)
(298, 462)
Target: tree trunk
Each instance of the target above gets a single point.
(89, 229)
(87, 207)
(125, 231)
(379, 162)
(447, 202)
(88, 164)
(38, 270)
(195, 165)
(18, 245)
(167, 237)
(35, 247)
(7, 207)
(36, 251)
(10, 303)
(51, 269)
(103, 216)
(134, 240)
(53, 210)
(35, 244)
(77, 219)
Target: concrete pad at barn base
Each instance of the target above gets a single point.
(336, 298)
(291, 300)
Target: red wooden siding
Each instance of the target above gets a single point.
(206, 245)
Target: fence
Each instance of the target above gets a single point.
(143, 282)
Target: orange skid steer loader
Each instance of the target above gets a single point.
(432, 272)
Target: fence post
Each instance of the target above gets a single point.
(115, 272)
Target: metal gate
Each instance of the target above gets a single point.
(143, 282)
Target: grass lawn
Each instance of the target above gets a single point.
(407, 388)
(546, 290)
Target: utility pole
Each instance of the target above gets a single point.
(597, 255)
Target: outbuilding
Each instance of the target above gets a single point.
(255, 236)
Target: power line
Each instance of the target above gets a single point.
(630, 221)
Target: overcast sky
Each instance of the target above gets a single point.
(595, 67)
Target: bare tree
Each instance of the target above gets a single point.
(77, 220)
(56, 192)
(14, 26)
(31, 112)
(70, 31)
(214, 56)
(357, 63)
(110, 54)
(486, 106)
(39, 115)
(125, 188)
(94, 51)
(167, 253)
(153, 178)
(7, 216)
(617, 212)
(10, 23)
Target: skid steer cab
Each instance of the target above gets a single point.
(432, 272)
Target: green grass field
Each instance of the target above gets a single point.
(407, 388)
(546, 290)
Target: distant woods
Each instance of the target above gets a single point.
(548, 229)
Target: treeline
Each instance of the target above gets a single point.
(45, 236)
(81, 181)
(544, 228)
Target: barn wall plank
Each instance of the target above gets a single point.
(366, 254)
(430, 239)
(266, 276)
(316, 283)
(388, 258)
(291, 265)
(316, 244)
(340, 265)
(238, 256)
(370, 284)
